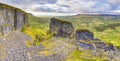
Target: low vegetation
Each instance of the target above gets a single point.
(104, 28)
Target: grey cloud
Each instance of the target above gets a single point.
(54, 8)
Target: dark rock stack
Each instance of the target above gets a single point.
(85, 39)
(11, 19)
(84, 35)
(61, 28)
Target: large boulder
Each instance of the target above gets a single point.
(84, 35)
(61, 28)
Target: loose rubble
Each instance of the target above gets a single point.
(16, 49)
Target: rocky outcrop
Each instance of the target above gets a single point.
(11, 19)
(84, 35)
(85, 39)
(96, 45)
(61, 28)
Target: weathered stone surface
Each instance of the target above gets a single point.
(11, 19)
(84, 35)
(61, 28)
(54, 57)
(110, 47)
(86, 46)
(99, 44)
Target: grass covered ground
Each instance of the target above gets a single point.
(105, 28)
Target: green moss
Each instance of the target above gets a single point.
(6, 25)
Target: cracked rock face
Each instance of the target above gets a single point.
(61, 28)
(11, 19)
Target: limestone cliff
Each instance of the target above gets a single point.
(11, 19)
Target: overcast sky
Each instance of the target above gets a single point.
(65, 7)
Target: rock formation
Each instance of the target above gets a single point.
(84, 35)
(85, 39)
(11, 19)
(61, 28)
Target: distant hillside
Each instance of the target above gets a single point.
(112, 16)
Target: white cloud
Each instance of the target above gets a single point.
(115, 11)
(51, 14)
